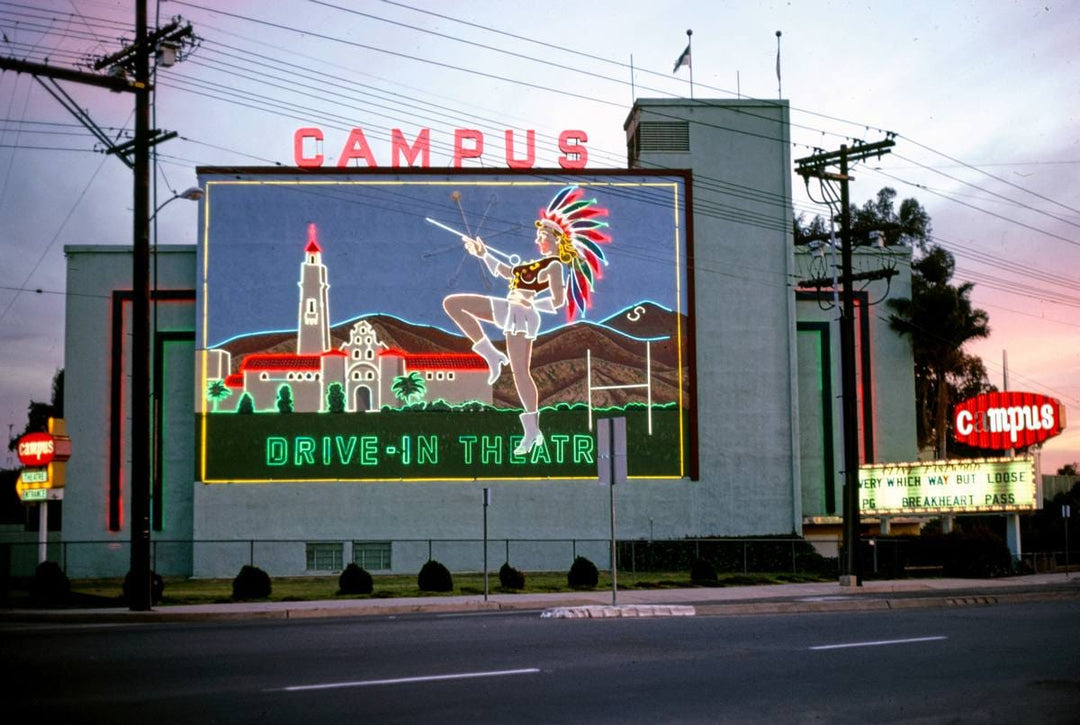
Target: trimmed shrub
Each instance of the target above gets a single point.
(50, 587)
(979, 553)
(355, 580)
(583, 574)
(157, 587)
(511, 578)
(703, 573)
(434, 577)
(251, 583)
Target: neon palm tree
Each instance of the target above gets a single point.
(217, 391)
(407, 387)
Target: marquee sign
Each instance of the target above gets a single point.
(1001, 421)
(433, 326)
(943, 487)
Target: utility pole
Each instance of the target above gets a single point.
(141, 598)
(815, 166)
(136, 59)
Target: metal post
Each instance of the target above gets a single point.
(614, 553)
(486, 500)
(43, 531)
(1066, 512)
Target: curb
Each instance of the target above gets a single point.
(551, 609)
(631, 610)
(943, 601)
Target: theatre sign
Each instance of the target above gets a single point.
(1001, 421)
(944, 487)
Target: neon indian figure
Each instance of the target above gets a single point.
(568, 239)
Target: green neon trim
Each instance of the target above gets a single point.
(303, 450)
(369, 451)
(491, 450)
(277, 451)
(427, 449)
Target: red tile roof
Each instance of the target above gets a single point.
(464, 361)
(283, 361)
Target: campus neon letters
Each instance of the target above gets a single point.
(1006, 420)
(468, 143)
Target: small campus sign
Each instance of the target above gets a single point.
(36, 449)
(43, 455)
(941, 487)
(1001, 421)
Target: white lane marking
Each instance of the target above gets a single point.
(879, 643)
(407, 680)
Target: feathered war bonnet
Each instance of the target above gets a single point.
(575, 223)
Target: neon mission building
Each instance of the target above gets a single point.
(362, 368)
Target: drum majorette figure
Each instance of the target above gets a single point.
(568, 239)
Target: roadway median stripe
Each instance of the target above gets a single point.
(878, 643)
(406, 680)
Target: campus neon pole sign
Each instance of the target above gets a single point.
(1000, 421)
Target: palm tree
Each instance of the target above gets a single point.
(940, 320)
(407, 387)
(217, 391)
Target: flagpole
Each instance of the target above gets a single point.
(779, 88)
(633, 93)
(690, 33)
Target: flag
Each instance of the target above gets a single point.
(684, 59)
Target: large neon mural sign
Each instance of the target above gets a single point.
(484, 321)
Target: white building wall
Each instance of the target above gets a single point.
(94, 274)
(743, 309)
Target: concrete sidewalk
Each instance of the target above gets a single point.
(764, 599)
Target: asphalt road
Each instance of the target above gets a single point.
(979, 664)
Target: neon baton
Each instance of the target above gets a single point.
(509, 257)
(440, 225)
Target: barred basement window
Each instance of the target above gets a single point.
(325, 556)
(372, 555)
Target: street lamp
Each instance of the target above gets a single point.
(192, 193)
